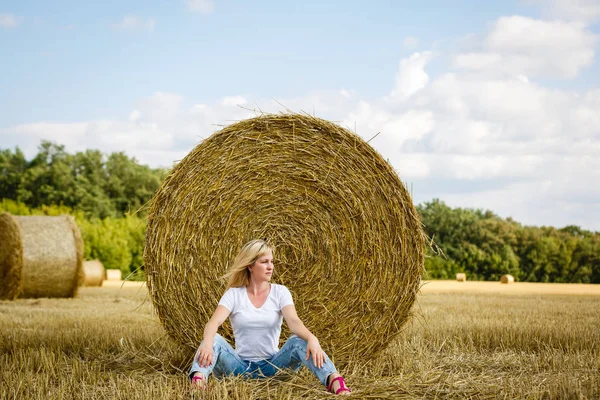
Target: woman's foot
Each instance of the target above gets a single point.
(199, 381)
(337, 385)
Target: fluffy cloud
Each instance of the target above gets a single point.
(520, 45)
(135, 23)
(411, 76)
(8, 20)
(479, 135)
(201, 6)
(578, 10)
(233, 101)
(410, 42)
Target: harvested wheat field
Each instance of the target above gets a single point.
(518, 288)
(477, 342)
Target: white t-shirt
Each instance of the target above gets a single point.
(256, 330)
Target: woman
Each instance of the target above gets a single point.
(255, 308)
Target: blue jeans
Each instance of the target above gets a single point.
(292, 355)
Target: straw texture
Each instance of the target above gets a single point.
(52, 255)
(93, 272)
(507, 279)
(11, 257)
(349, 244)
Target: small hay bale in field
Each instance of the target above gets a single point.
(51, 256)
(461, 277)
(114, 275)
(507, 279)
(349, 244)
(93, 272)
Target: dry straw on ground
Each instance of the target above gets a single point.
(348, 240)
(507, 279)
(93, 272)
(461, 277)
(42, 256)
(114, 275)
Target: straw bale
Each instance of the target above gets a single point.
(349, 244)
(11, 257)
(114, 275)
(51, 255)
(507, 279)
(461, 277)
(93, 272)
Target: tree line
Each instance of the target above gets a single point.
(97, 185)
(106, 194)
(485, 247)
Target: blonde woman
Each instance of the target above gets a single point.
(255, 308)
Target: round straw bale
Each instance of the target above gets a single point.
(507, 279)
(349, 244)
(93, 272)
(461, 277)
(11, 257)
(52, 251)
(114, 275)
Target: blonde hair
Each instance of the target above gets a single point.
(239, 274)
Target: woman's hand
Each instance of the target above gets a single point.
(314, 348)
(204, 356)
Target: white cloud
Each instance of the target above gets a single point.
(524, 46)
(201, 6)
(233, 101)
(410, 42)
(345, 93)
(576, 10)
(411, 76)
(135, 115)
(493, 139)
(8, 20)
(161, 106)
(135, 23)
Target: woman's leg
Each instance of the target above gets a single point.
(293, 355)
(225, 361)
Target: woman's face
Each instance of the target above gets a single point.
(263, 268)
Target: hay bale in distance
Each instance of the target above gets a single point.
(114, 275)
(93, 272)
(51, 255)
(507, 279)
(347, 236)
(461, 277)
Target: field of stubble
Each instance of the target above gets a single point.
(479, 340)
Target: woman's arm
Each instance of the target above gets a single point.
(294, 323)
(204, 356)
(297, 327)
(213, 324)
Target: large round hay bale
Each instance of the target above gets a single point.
(114, 275)
(507, 279)
(93, 273)
(51, 258)
(11, 258)
(349, 244)
(461, 277)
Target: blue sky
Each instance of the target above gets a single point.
(481, 104)
(68, 51)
